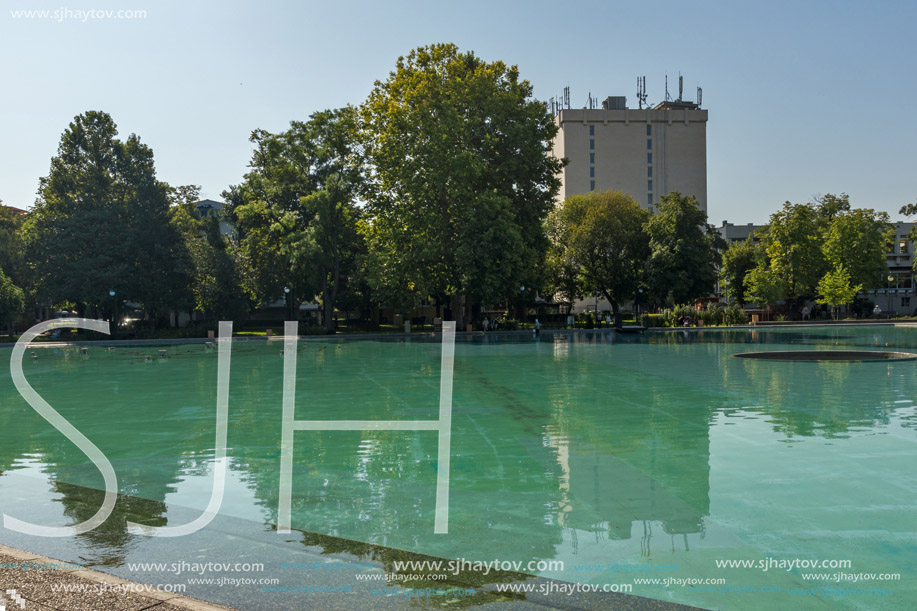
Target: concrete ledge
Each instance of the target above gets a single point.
(102, 591)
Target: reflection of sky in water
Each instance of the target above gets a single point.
(654, 450)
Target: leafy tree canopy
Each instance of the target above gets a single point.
(600, 238)
(739, 259)
(461, 182)
(684, 260)
(296, 213)
(101, 222)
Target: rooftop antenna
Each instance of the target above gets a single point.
(681, 86)
(567, 96)
(641, 91)
(590, 100)
(667, 97)
(700, 95)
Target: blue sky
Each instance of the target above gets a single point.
(804, 98)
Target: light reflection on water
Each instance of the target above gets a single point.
(588, 449)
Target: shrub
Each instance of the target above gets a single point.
(652, 320)
(711, 315)
(508, 324)
(735, 315)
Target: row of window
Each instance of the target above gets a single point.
(649, 161)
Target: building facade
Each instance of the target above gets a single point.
(646, 153)
(897, 295)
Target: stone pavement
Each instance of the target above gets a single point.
(27, 583)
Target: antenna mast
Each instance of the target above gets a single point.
(641, 91)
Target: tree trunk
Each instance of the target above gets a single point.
(457, 305)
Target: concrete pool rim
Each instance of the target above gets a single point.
(822, 356)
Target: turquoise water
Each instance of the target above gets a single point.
(661, 454)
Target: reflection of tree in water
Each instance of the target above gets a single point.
(110, 541)
(380, 486)
(826, 398)
(635, 449)
(464, 578)
(153, 420)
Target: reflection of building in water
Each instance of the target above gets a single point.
(654, 467)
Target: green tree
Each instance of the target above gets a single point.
(12, 300)
(739, 259)
(684, 260)
(765, 287)
(12, 250)
(836, 288)
(296, 213)
(217, 276)
(101, 223)
(829, 206)
(461, 181)
(856, 241)
(601, 237)
(793, 243)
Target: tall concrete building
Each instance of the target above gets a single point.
(645, 152)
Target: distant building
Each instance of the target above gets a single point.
(645, 152)
(207, 208)
(15, 210)
(898, 292)
(736, 234)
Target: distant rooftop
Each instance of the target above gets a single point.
(14, 209)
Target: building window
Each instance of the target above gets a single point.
(649, 129)
(902, 247)
(649, 172)
(649, 158)
(592, 185)
(591, 157)
(649, 185)
(905, 302)
(592, 130)
(591, 172)
(649, 144)
(591, 144)
(649, 201)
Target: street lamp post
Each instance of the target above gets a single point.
(888, 292)
(114, 315)
(286, 291)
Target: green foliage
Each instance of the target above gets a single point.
(711, 315)
(684, 258)
(217, 273)
(805, 241)
(862, 307)
(739, 259)
(295, 212)
(765, 287)
(461, 183)
(836, 288)
(101, 222)
(12, 299)
(671, 316)
(734, 315)
(12, 249)
(793, 243)
(652, 320)
(600, 240)
(856, 240)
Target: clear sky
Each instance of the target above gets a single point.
(804, 98)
